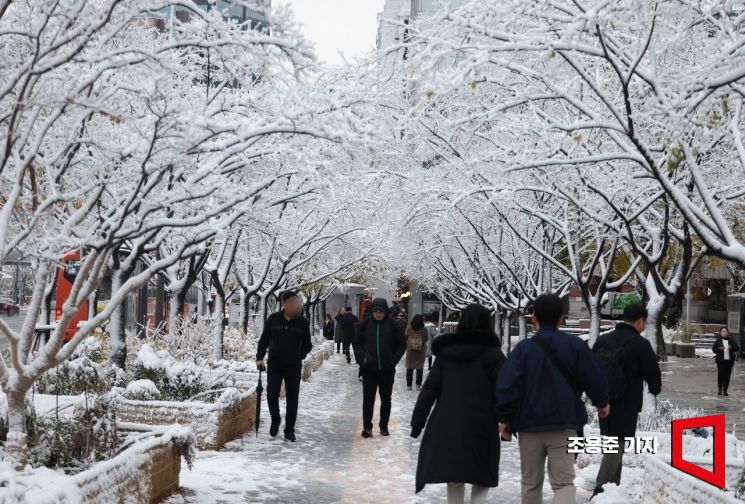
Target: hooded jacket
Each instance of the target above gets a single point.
(461, 440)
(378, 344)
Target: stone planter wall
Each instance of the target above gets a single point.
(213, 424)
(316, 359)
(148, 472)
(670, 348)
(656, 487)
(685, 350)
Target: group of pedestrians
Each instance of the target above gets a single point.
(474, 397)
(535, 392)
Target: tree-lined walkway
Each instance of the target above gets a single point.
(330, 463)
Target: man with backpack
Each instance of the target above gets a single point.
(629, 361)
(538, 396)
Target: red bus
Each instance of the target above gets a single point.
(66, 275)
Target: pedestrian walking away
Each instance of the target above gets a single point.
(725, 353)
(629, 361)
(431, 335)
(379, 345)
(348, 323)
(416, 342)
(461, 441)
(286, 336)
(338, 332)
(538, 397)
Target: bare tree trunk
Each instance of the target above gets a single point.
(16, 446)
(506, 331)
(522, 329)
(595, 320)
(243, 315)
(117, 332)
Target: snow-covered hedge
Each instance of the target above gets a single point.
(70, 434)
(147, 471)
(229, 415)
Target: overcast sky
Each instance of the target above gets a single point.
(349, 26)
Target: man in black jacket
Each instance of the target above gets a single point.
(379, 344)
(287, 337)
(348, 323)
(638, 364)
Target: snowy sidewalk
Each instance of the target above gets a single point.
(330, 463)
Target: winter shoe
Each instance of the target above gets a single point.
(274, 428)
(367, 434)
(725, 393)
(408, 388)
(290, 436)
(719, 392)
(419, 387)
(384, 432)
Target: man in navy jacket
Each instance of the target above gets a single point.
(537, 400)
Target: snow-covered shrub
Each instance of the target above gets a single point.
(659, 419)
(75, 376)
(176, 381)
(239, 346)
(75, 442)
(192, 342)
(91, 348)
(189, 342)
(230, 398)
(142, 390)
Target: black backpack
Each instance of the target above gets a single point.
(613, 355)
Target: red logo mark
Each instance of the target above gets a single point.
(716, 477)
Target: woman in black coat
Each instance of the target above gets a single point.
(461, 441)
(328, 327)
(725, 352)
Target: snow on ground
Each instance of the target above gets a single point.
(331, 463)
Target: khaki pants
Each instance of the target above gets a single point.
(535, 447)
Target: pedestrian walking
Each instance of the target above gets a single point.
(629, 361)
(286, 336)
(538, 397)
(379, 345)
(431, 335)
(725, 354)
(348, 323)
(401, 320)
(338, 332)
(461, 441)
(416, 348)
(328, 327)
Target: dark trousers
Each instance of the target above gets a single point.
(610, 467)
(724, 371)
(291, 377)
(410, 376)
(373, 382)
(338, 346)
(429, 362)
(346, 349)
